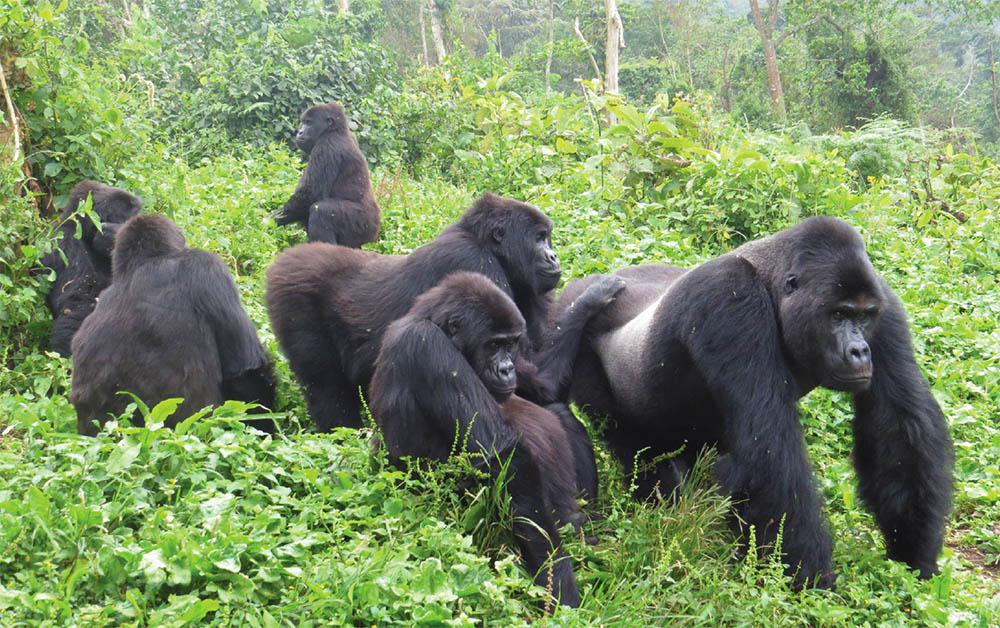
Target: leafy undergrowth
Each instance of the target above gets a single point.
(212, 524)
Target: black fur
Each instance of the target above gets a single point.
(171, 324)
(83, 265)
(435, 385)
(720, 355)
(333, 200)
(330, 305)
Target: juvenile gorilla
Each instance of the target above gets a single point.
(445, 377)
(333, 200)
(86, 269)
(170, 325)
(720, 355)
(330, 305)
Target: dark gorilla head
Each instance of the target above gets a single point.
(142, 238)
(482, 322)
(317, 121)
(111, 204)
(521, 236)
(829, 311)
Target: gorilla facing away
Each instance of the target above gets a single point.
(720, 354)
(171, 324)
(445, 379)
(333, 200)
(330, 305)
(82, 265)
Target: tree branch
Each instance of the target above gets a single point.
(593, 61)
(12, 115)
(788, 32)
(772, 16)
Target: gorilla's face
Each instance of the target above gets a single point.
(547, 267)
(826, 322)
(847, 356)
(493, 360)
(317, 121)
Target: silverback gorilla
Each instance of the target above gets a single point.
(82, 265)
(171, 324)
(720, 354)
(333, 200)
(444, 380)
(330, 305)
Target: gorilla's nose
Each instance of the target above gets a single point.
(859, 355)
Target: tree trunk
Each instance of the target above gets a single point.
(993, 75)
(615, 41)
(970, 58)
(766, 31)
(423, 33)
(548, 54)
(727, 84)
(436, 35)
(343, 6)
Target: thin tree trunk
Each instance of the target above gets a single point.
(993, 75)
(726, 83)
(970, 56)
(12, 118)
(343, 7)
(615, 42)
(770, 55)
(423, 32)
(436, 35)
(593, 61)
(687, 54)
(548, 54)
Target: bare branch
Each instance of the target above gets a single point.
(788, 32)
(15, 131)
(593, 61)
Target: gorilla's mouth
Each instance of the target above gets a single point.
(850, 383)
(549, 278)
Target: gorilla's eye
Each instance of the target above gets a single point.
(839, 315)
(542, 236)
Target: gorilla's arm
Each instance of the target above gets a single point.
(583, 451)
(314, 184)
(247, 374)
(544, 377)
(724, 315)
(423, 382)
(902, 452)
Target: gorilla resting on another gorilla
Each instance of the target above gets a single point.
(86, 269)
(170, 325)
(445, 378)
(330, 305)
(333, 200)
(720, 354)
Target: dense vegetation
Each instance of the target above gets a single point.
(189, 104)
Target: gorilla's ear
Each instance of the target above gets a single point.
(497, 234)
(791, 284)
(452, 326)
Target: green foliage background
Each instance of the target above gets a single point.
(189, 104)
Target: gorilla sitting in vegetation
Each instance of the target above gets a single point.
(81, 260)
(171, 324)
(720, 354)
(334, 199)
(330, 305)
(444, 381)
